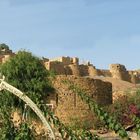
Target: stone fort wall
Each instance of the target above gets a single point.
(68, 104)
(71, 66)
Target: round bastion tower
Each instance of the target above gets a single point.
(119, 71)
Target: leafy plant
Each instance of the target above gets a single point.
(7, 129)
(27, 73)
(24, 132)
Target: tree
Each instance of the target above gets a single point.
(10, 132)
(24, 132)
(4, 46)
(4, 49)
(27, 73)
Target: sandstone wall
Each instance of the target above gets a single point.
(105, 73)
(70, 105)
(84, 70)
(134, 77)
(5, 58)
(92, 71)
(74, 70)
(68, 70)
(75, 60)
(70, 66)
(55, 66)
(119, 71)
(66, 60)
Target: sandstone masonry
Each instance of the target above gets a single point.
(68, 105)
(70, 66)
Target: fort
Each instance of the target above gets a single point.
(70, 66)
(67, 105)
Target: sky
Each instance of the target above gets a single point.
(100, 31)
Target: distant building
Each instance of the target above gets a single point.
(5, 53)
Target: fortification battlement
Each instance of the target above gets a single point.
(117, 67)
(66, 60)
(70, 66)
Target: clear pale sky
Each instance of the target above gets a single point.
(101, 31)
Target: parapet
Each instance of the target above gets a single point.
(66, 60)
(55, 66)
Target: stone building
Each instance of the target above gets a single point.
(5, 53)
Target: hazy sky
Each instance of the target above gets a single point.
(101, 31)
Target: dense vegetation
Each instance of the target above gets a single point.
(25, 72)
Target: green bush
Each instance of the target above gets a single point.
(28, 74)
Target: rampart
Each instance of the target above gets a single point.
(55, 66)
(70, 66)
(68, 104)
(119, 72)
(66, 60)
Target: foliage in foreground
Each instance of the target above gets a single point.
(27, 73)
(126, 110)
(8, 131)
